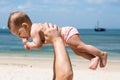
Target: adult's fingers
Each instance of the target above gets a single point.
(50, 26)
(55, 27)
(46, 24)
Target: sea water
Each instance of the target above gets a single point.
(109, 41)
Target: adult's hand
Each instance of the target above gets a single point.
(51, 33)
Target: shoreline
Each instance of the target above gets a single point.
(51, 56)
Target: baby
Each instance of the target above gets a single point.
(20, 25)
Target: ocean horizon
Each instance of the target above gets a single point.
(108, 41)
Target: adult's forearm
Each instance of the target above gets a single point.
(63, 66)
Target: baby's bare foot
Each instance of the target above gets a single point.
(103, 60)
(94, 63)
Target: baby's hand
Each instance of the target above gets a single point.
(24, 40)
(26, 47)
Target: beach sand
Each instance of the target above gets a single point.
(24, 68)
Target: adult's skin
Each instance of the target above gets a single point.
(62, 65)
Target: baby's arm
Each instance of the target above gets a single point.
(24, 40)
(36, 42)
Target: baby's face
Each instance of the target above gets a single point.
(21, 32)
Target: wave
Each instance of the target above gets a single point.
(4, 31)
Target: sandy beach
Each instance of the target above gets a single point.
(24, 68)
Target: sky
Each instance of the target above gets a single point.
(77, 13)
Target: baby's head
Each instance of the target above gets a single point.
(20, 24)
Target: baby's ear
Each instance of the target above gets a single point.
(25, 25)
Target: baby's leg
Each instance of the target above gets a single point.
(94, 60)
(103, 55)
(74, 43)
(83, 54)
(94, 63)
(103, 60)
(80, 46)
